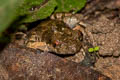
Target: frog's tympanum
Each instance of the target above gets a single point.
(54, 36)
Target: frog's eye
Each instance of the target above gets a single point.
(56, 43)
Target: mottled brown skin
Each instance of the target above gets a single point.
(56, 37)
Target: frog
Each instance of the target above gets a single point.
(54, 36)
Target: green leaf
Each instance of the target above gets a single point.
(90, 50)
(34, 9)
(41, 9)
(96, 48)
(7, 13)
(70, 5)
(37, 9)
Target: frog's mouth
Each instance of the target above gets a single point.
(62, 55)
(65, 48)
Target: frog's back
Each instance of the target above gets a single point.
(57, 35)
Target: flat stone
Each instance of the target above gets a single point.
(25, 64)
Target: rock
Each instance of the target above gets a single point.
(109, 66)
(25, 64)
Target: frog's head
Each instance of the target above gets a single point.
(67, 43)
